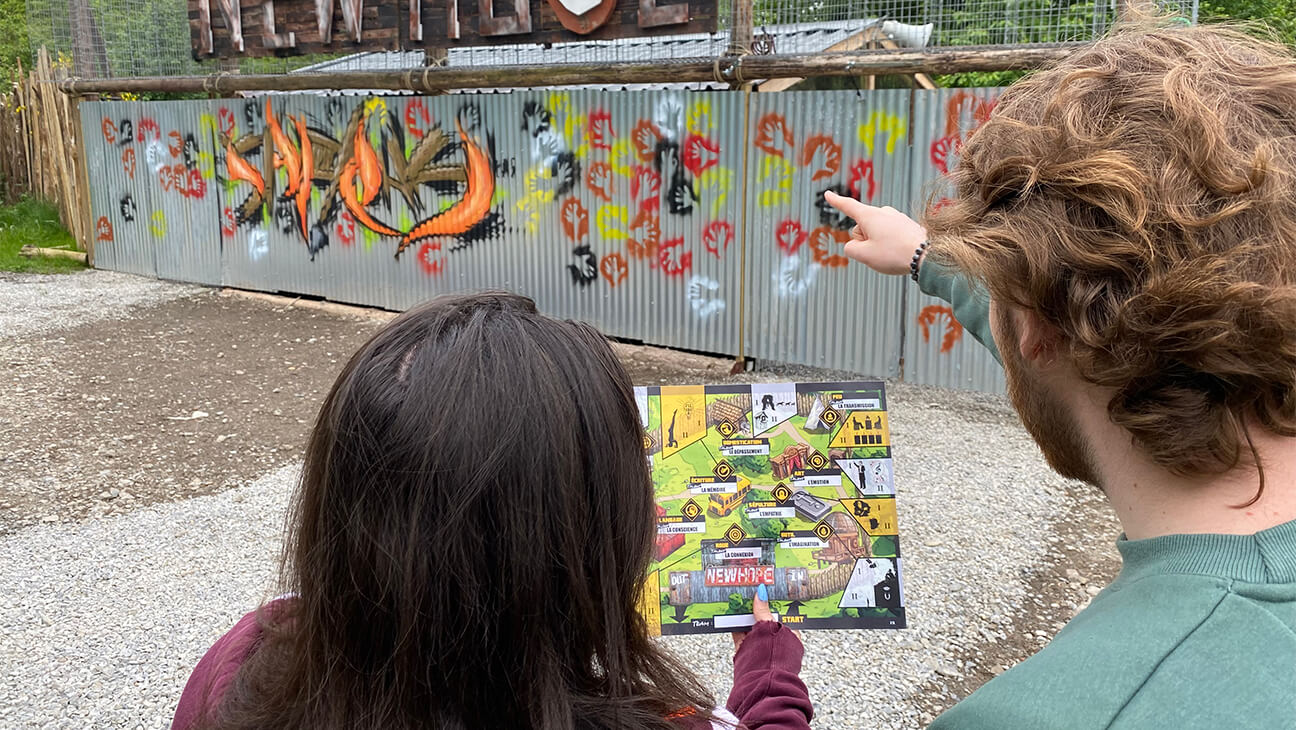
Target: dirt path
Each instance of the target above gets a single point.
(184, 398)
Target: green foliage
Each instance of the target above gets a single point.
(13, 39)
(1276, 18)
(978, 78)
(33, 222)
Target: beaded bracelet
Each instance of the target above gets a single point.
(918, 254)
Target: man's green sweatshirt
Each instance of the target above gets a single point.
(1197, 631)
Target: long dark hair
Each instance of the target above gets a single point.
(469, 541)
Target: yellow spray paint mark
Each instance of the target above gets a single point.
(500, 196)
(574, 132)
(158, 224)
(206, 165)
(717, 183)
(207, 126)
(533, 183)
(375, 105)
(370, 238)
(529, 210)
(698, 120)
(558, 102)
(782, 169)
(622, 159)
(611, 221)
(881, 122)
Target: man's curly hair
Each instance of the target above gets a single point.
(1141, 197)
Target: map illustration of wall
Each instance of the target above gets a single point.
(785, 484)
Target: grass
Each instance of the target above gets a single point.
(35, 222)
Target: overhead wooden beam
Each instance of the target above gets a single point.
(852, 42)
(725, 69)
(867, 37)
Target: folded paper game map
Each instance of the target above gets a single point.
(785, 484)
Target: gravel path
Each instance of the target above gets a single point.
(33, 303)
(107, 615)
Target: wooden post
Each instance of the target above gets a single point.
(85, 214)
(740, 35)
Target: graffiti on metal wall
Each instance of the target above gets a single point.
(607, 189)
(807, 246)
(171, 158)
(423, 180)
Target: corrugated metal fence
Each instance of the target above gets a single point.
(690, 220)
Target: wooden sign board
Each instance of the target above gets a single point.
(245, 28)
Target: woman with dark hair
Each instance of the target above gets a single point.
(467, 549)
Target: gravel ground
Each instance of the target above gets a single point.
(39, 303)
(107, 615)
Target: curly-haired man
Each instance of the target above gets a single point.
(1131, 213)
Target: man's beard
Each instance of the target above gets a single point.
(1055, 431)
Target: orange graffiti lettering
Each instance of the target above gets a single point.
(364, 166)
(471, 209)
(307, 170)
(239, 169)
(285, 155)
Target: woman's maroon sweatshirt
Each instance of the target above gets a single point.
(767, 693)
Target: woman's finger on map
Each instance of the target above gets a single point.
(760, 604)
(760, 612)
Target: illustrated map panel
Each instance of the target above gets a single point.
(785, 484)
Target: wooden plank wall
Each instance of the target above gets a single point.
(40, 141)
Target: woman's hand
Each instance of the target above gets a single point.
(883, 239)
(760, 611)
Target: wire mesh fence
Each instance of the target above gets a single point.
(123, 38)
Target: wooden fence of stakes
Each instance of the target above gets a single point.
(40, 140)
